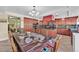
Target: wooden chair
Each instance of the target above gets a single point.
(57, 43)
(13, 45)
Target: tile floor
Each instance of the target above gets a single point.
(65, 44)
(5, 46)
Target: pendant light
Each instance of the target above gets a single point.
(34, 12)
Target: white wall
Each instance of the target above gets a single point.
(3, 27)
(3, 31)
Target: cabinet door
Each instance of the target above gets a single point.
(71, 20)
(47, 19)
(59, 21)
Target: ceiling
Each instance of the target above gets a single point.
(57, 11)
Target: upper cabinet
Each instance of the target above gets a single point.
(59, 21)
(47, 19)
(28, 23)
(66, 21)
(71, 20)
